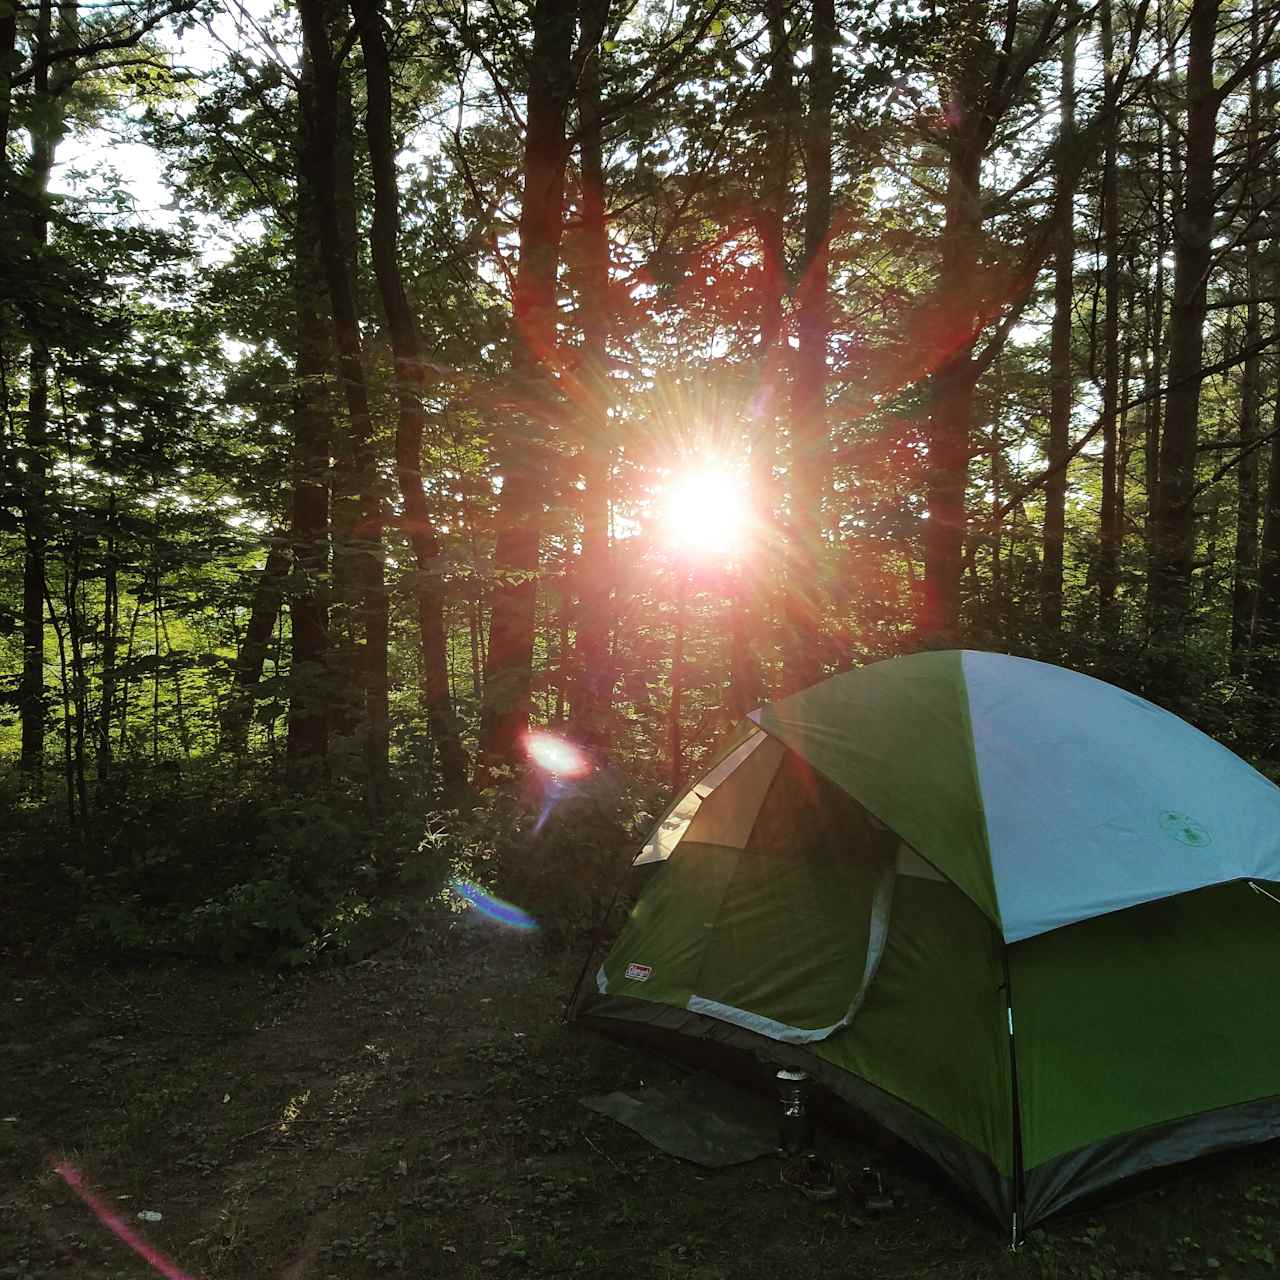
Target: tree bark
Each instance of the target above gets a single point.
(591, 693)
(1266, 628)
(308, 726)
(268, 595)
(675, 728)
(8, 54)
(45, 131)
(1245, 575)
(1245, 572)
(322, 149)
(1173, 532)
(411, 385)
(1109, 524)
(810, 451)
(951, 393)
(1061, 380)
(1266, 623)
(751, 581)
(110, 638)
(524, 453)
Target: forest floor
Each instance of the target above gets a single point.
(418, 1115)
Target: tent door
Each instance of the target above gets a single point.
(877, 932)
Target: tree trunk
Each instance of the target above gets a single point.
(1266, 630)
(1154, 364)
(1174, 524)
(675, 732)
(322, 150)
(592, 689)
(1061, 380)
(524, 455)
(810, 451)
(307, 733)
(268, 594)
(1266, 625)
(750, 604)
(305, 565)
(1109, 527)
(1245, 572)
(110, 639)
(951, 398)
(8, 55)
(45, 130)
(411, 384)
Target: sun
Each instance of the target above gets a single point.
(705, 511)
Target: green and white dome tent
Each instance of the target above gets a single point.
(1028, 921)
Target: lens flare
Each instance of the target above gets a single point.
(506, 914)
(558, 757)
(118, 1227)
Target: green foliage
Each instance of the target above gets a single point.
(556, 849)
(217, 864)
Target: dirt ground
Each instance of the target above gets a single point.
(418, 1115)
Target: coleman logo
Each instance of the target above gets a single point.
(638, 972)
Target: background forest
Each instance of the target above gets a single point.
(379, 383)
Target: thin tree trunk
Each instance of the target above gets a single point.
(1266, 633)
(805, 596)
(110, 640)
(1174, 525)
(1124, 430)
(523, 453)
(8, 57)
(68, 768)
(268, 595)
(1061, 380)
(411, 385)
(951, 401)
(674, 726)
(1109, 529)
(31, 696)
(155, 656)
(322, 151)
(1245, 572)
(309, 714)
(999, 612)
(1266, 626)
(591, 694)
(73, 613)
(750, 604)
(179, 707)
(125, 690)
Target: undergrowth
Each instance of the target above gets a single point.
(230, 864)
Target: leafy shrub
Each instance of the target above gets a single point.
(216, 863)
(560, 849)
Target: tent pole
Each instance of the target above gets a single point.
(1018, 1225)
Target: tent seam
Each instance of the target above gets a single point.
(972, 756)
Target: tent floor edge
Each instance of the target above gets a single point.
(1089, 1170)
(752, 1059)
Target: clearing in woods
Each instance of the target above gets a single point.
(417, 1115)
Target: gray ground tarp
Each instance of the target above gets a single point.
(700, 1119)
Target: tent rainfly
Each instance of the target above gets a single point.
(1029, 922)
